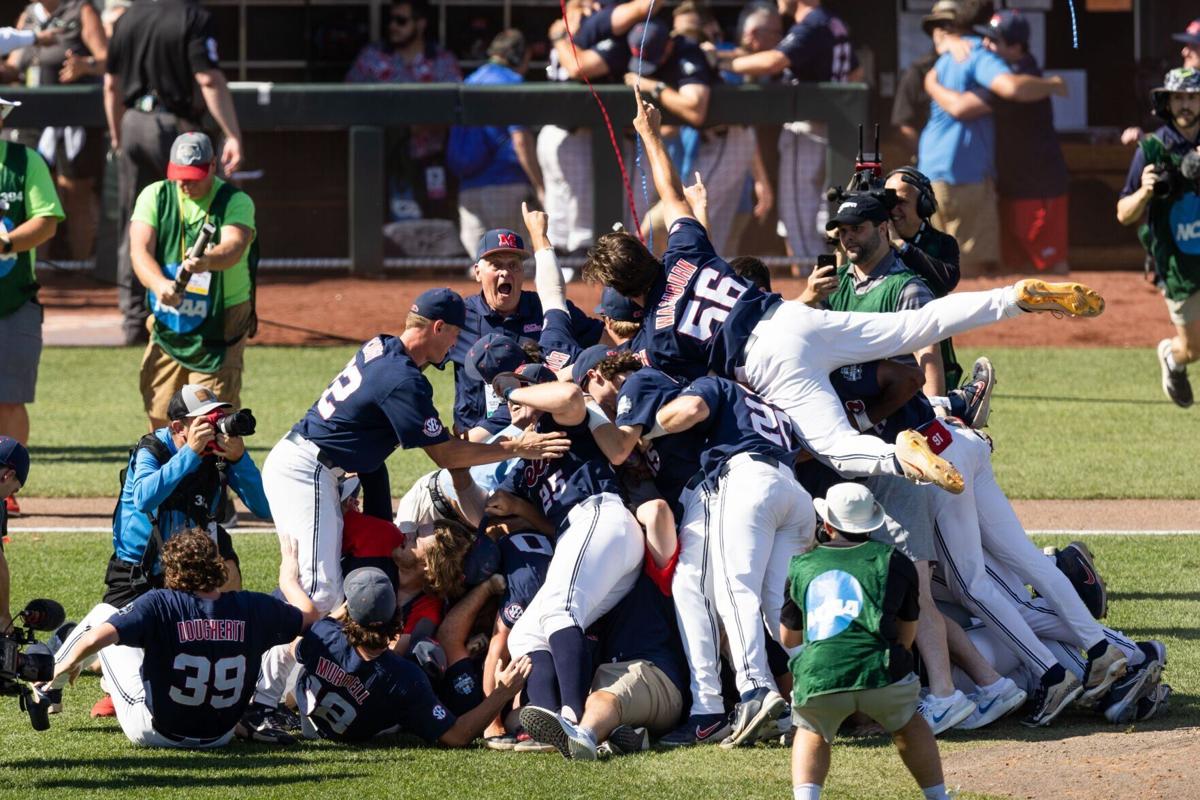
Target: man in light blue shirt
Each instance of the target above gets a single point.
(497, 167)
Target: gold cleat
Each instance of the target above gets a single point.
(922, 465)
(1074, 299)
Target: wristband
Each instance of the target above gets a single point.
(655, 432)
(863, 421)
(596, 417)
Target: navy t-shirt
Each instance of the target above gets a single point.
(351, 699)
(524, 560)
(859, 384)
(202, 656)
(474, 401)
(675, 458)
(596, 34)
(740, 422)
(379, 402)
(642, 626)
(818, 49)
(687, 64)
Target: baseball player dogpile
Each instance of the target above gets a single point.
(737, 518)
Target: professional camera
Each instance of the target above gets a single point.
(19, 667)
(867, 178)
(1185, 178)
(239, 423)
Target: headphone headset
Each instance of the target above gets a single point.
(927, 204)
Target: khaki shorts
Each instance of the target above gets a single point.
(1184, 312)
(163, 376)
(892, 707)
(646, 695)
(967, 211)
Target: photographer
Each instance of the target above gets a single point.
(14, 470)
(1160, 194)
(173, 483)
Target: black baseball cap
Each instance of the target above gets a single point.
(535, 373)
(443, 304)
(13, 454)
(857, 209)
(617, 306)
(1007, 26)
(193, 401)
(587, 361)
(493, 354)
(1191, 35)
(370, 596)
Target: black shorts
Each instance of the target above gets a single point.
(125, 583)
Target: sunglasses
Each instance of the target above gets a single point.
(400, 19)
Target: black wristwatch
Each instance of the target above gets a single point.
(6, 247)
(657, 91)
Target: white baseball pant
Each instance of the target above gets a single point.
(793, 350)
(801, 194)
(595, 564)
(723, 162)
(565, 158)
(695, 603)
(305, 504)
(981, 519)
(123, 680)
(762, 517)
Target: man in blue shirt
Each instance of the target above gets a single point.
(174, 480)
(496, 166)
(956, 150)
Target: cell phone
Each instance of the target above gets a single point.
(826, 260)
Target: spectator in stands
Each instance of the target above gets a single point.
(497, 167)
(407, 56)
(76, 53)
(31, 216)
(816, 48)
(957, 147)
(910, 111)
(157, 58)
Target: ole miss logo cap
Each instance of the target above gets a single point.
(493, 354)
(500, 240)
(443, 304)
(1008, 26)
(1191, 35)
(617, 306)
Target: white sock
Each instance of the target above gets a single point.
(939, 402)
(935, 792)
(806, 791)
(1171, 363)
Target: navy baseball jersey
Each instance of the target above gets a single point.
(350, 699)
(558, 485)
(524, 559)
(202, 656)
(689, 304)
(686, 65)
(673, 459)
(558, 342)
(596, 34)
(379, 402)
(472, 400)
(818, 49)
(741, 422)
(858, 384)
(642, 626)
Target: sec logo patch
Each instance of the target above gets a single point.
(439, 711)
(433, 426)
(514, 611)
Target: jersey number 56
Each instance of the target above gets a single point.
(715, 296)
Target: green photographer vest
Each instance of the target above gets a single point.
(194, 332)
(884, 298)
(1171, 234)
(18, 283)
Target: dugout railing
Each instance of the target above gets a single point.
(366, 111)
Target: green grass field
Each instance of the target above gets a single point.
(1068, 423)
(1154, 585)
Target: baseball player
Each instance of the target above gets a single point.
(379, 402)
(599, 546)
(353, 688)
(181, 661)
(701, 315)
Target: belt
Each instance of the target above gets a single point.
(759, 457)
(440, 504)
(695, 482)
(322, 457)
(188, 740)
(753, 337)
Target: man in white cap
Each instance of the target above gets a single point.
(29, 215)
(852, 603)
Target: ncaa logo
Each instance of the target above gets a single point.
(1185, 223)
(833, 600)
(507, 240)
(433, 426)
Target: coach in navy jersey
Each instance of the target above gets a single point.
(182, 661)
(353, 688)
(502, 306)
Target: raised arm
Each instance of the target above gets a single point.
(547, 276)
(648, 124)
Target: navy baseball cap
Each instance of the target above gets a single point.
(501, 240)
(1191, 35)
(493, 354)
(587, 361)
(482, 561)
(648, 43)
(857, 209)
(443, 304)
(615, 305)
(1008, 26)
(13, 454)
(535, 373)
(370, 596)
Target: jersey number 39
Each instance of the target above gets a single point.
(227, 676)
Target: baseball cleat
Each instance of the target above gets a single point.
(11, 506)
(37, 704)
(1175, 383)
(626, 740)
(1073, 299)
(922, 465)
(1076, 562)
(53, 700)
(104, 707)
(995, 704)
(978, 393)
(943, 713)
(757, 711)
(546, 726)
(1154, 649)
(1121, 703)
(261, 723)
(1103, 668)
(699, 729)
(1154, 705)
(1053, 695)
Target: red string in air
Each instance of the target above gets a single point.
(612, 137)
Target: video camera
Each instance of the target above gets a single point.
(1174, 180)
(867, 177)
(18, 668)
